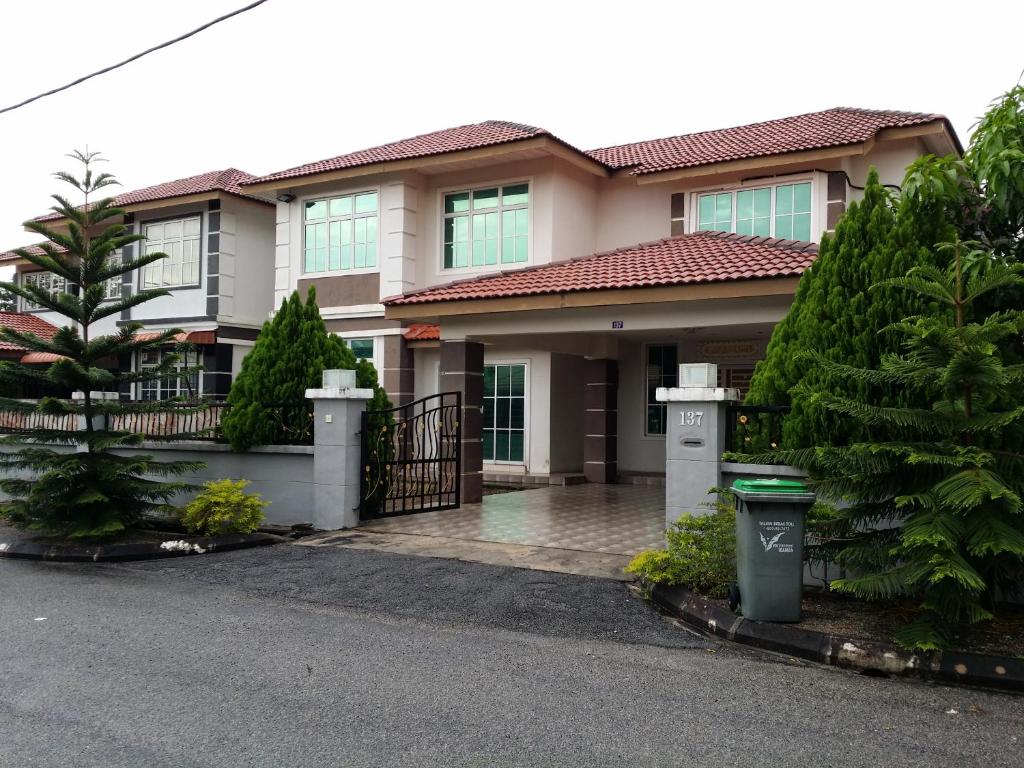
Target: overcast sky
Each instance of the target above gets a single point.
(300, 80)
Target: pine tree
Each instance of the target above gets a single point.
(267, 402)
(834, 315)
(935, 510)
(89, 491)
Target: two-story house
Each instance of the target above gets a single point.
(219, 272)
(559, 288)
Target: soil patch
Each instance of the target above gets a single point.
(844, 616)
(136, 536)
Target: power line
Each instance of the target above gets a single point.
(146, 52)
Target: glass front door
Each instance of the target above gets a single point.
(504, 417)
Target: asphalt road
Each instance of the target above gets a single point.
(291, 656)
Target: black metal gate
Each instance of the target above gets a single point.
(411, 457)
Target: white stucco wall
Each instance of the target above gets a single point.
(628, 213)
(246, 262)
(427, 362)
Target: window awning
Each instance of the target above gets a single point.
(193, 337)
(40, 357)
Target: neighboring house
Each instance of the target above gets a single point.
(574, 282)
(25, 323)
(219, 270)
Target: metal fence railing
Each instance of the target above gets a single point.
(178, 419)
(202, 423)
(754, 428)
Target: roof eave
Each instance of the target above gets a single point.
(170, 202)
(553, 144)
(723, 289)
(934, 131)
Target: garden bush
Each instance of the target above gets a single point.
(224, 507)
(700, 553)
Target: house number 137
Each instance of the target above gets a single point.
(690, 418)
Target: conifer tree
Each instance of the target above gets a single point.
(89, 491)
(934, 511)
(267, 402)
(834, 315)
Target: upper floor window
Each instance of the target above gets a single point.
(341, 233)
(179, 239)
(46, 281)
(781, 211)
(480, 224)
(112, 286)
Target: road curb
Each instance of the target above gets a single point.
(57, 553)
(868, 658)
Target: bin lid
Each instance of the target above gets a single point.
(773, 485)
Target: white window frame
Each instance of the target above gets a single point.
(525, 463)
(378, 348)
(55, 285)
(353, 193)
(767, 183)
(446, 272)
(189, 359)
(643, 384)
(112, 286)
(162, 264)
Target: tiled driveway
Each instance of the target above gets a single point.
(619, 519)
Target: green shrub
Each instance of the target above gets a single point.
(701, 550)
(224, 507)
(700, 553)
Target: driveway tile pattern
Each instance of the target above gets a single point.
(618, 519)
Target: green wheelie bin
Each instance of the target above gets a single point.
(770, 547)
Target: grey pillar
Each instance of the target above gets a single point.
(462, 370)
(695, 439)
(337, 417)
(398, 374)
(600, 420)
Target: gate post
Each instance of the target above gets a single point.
(462, 370)
(694, 441)
(337, 421)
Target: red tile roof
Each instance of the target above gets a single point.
(227, 180)
(487, 133)
(700, 257)
(830, 128)
(11, 255)
(25, 323)
(423, 332)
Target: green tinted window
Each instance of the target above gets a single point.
(793, 211)
(662, 371)
(497, 231)
(715, 212)
(504, 413)
(754, 212)
(362, 348)
(348, 237)
(316, 209)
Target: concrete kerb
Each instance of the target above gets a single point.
(866, 657)
(100, 553)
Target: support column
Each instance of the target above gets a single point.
(600, 420)
(695, 439)
(337, 417)
(398, 374)
(462, 370)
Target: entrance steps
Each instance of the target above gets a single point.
(511, 478)
(650, 479)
